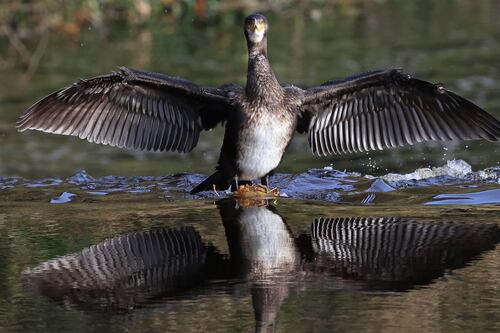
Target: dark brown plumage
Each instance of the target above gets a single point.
(151, 111)
(386, 109)
(130, 109)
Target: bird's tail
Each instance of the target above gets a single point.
(216, 180)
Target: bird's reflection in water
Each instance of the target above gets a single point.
(123, 272)
(397, 253)
(266, 259)
(263, 252)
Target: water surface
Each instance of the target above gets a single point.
(348, 251)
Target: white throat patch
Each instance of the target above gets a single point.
(256, 36)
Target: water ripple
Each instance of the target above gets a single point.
(326, 184)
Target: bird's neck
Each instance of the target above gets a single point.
(261, 81)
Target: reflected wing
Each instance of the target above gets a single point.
(132, 109)
(385, 109)
(391, 248)
(123, 271)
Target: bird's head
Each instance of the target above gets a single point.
(256, 27)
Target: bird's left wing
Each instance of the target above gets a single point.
(132, 109)
(385, 109)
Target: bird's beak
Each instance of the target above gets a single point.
(258, 27)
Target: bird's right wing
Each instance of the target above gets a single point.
(132, 109)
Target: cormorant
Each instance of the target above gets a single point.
(152, 111)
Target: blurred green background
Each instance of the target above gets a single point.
(47, 44)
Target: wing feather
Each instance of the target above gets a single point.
(132, 109)
(386, 109)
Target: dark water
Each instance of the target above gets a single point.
(344, 252)
(94, 238)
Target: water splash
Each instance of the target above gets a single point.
(326, 184)
(454, 172)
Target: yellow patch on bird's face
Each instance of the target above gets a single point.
(260, 27)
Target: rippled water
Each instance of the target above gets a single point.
(326, 184)
(140, 253)
(95, 238)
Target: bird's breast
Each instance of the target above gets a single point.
(261, 143)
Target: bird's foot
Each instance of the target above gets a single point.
(255, 195)
(249, 191)
(215, 190)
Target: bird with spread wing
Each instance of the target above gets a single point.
(143, 110)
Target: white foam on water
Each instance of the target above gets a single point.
(453, 168)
